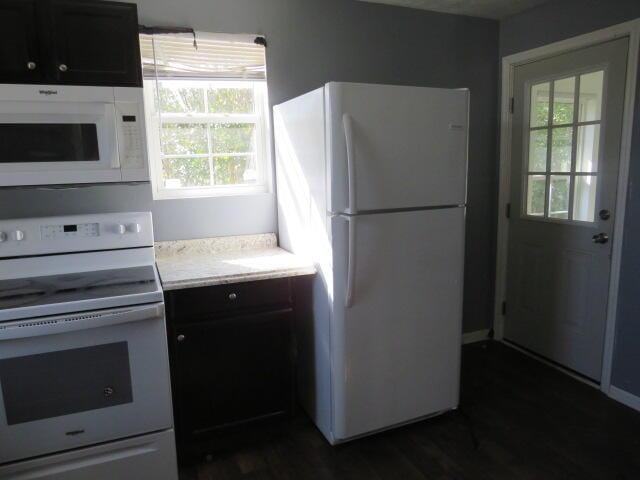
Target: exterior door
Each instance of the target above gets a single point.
(567, 124)
(396, 344)
(394, 147)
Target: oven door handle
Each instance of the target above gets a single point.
(82, 321)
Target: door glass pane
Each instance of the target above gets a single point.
(540, 104)
(536, 187)
(559, 196)
(48, 142)
(561, 139)
(563, 95)
(186, 172)
(538, 150)
(587, 148)
(584, 198)
(591, 85)
(47, 385)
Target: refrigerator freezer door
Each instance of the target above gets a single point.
(396, 349)
(393, 147)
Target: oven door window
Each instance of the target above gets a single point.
(49, 142)
(48, 385)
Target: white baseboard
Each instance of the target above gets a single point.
(629, 399)
(477, 336)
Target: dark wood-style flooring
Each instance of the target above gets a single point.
(519, 419)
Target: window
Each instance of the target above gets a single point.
(561, 174)
(206, 114)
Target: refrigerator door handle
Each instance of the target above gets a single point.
(351, 262)
(347, 124)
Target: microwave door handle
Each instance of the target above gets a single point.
(64, 324)
(115, 155)
(347, 124)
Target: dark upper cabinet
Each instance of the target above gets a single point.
(95, 43)
(19, 45)
(76, 42)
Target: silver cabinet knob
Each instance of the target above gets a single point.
(180, 338)
(232, 296)
(62, 67)
(31, 65)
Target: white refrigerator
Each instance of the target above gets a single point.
(371, 183)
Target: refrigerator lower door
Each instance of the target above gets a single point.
(396, 348)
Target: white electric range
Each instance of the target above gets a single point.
(84, 370)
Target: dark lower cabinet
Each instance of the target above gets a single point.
(75, 42)
(232, 363)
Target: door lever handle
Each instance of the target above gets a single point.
(600, 238)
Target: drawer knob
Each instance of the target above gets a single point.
(180, 338)
(232, 296)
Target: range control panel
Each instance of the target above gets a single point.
(78, 233)
(70, 230)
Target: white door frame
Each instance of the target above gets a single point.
(628, 29)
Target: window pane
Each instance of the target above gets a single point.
(535, 194)
(587, 148)
(186, 172)
(184, 139)
(231, 100)
(563, 95)
(238, 169)
(561, 139)
(233, 137)
(584, 198)
(179, 99)
(538, 150)
(591, 96)
(559, 196)
(540, 104)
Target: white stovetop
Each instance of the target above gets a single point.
(220, 260)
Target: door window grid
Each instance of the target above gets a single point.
(564, 139)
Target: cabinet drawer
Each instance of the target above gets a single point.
(189, 304)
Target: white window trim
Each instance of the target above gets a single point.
(263, 150)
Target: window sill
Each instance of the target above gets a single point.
(196, 193)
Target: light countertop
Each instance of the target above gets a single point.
(223, 260)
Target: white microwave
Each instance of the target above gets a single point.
(58, 134)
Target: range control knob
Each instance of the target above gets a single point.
(3, 237)
(134, 228)
(121, 229)
(19, 234)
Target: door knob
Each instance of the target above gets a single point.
(62, 67)
(600, 238)
(604, 214)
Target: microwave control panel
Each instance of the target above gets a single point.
(129, 131)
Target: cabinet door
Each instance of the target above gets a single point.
(231, 371)
(19, 56)
(95, 43)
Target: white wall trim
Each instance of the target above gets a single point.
(628, 29)
(476, 336)
(627, 398)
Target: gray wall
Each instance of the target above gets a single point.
(312, 42)
(562, 19)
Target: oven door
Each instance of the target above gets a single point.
(77, 380)
(46, 143)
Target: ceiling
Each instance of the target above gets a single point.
(496, 9)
